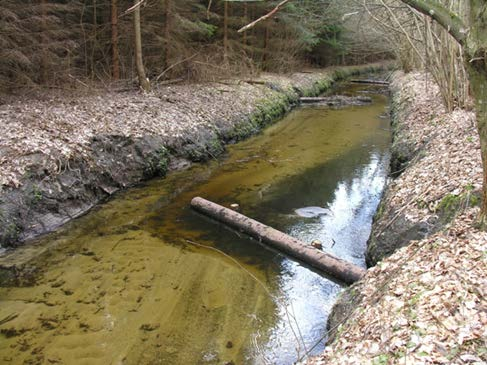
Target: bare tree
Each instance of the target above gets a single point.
(472, 37)
(139, 63)
(167, 33)
(225, 30)
(115, 57)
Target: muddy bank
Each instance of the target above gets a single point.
(416, 304)
(63, 155)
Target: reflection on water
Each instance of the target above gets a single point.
(123, 285)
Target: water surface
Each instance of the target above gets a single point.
(125, 285)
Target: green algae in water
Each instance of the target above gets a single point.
(123, 286)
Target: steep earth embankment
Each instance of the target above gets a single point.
(425, 300)
(61, 155)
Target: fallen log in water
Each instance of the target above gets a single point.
(335, 267)
(373, 82)
(337, 100)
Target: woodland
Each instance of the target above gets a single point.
(53, 43)
(117, 91)
(74, 44)
(69, 44)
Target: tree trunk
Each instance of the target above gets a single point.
(225, 30)
(338, 268)
(44, 40)
(139, 64)
(266, 45)
(475, 49)
(167, 33)
(115, 59)
(95, 39)
(246, 16)
(477, 75)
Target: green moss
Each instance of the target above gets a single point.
(453, 204)
(399, 354)
(382, 359)
(266, 111)
(34, 195)
(246, 128)
(215, 147)
(449, 206)
(7, 277)
(380, 210)
(10, 234)
(157, 163)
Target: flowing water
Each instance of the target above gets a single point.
(132, 283)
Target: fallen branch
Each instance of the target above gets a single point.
(373, 82)
(174, 65)
(337, 100)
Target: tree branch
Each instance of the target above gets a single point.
(132, 8)
(262, 18)
(448, 20)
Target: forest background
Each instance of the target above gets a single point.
(73, 44)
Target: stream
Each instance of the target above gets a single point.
(143, 279)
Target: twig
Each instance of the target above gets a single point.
(174, 65)
(9, 318)
(299, 338)
(81, 82)
(208, 9)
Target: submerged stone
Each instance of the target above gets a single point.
(312, 212)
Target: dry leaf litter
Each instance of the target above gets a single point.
(62, 127)
(426, 303)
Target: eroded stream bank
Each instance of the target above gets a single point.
(122, 284)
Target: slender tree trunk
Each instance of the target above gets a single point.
(478, 83)
(167, 33)
(139, 63)
(252, 32)
(246, 16)
(115, 59)
(95, 39)
(225, 30)
(44, 57)
(266, 45)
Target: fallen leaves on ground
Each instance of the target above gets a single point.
(47, 130)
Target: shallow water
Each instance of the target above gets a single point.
(124, 284)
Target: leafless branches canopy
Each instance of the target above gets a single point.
(417, 40)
